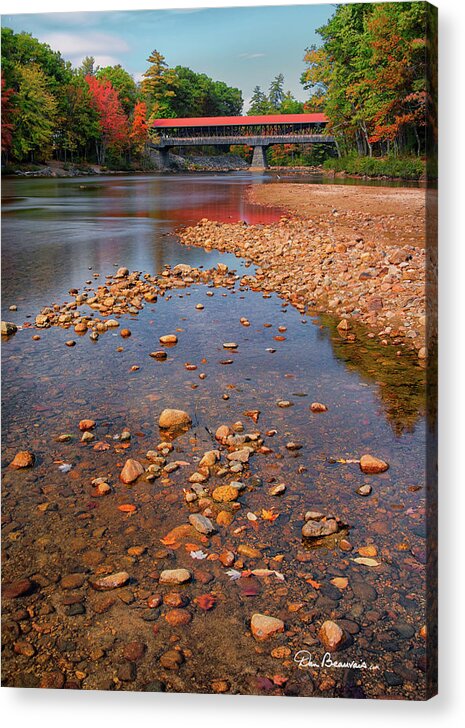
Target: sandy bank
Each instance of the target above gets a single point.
(356, 252)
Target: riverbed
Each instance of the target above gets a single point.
(68, 234)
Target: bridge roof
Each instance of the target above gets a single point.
(241, 120)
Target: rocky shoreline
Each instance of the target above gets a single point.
(341, 260)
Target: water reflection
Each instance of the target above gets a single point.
(401, 382)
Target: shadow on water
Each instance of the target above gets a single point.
(401, 380)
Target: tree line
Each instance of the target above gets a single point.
(50, 109)
(374, 77)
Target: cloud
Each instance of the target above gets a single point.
(78, 45)
(249, 56)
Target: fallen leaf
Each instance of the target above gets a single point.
(269, 515)
(366, 562)
(313, 583)
(199, 554)
(205, 601)
(233, 574)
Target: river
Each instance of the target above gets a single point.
(60, 234)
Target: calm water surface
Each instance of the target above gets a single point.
(56, 235)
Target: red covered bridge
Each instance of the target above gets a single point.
(258, 132)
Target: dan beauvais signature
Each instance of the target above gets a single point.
(304, 660)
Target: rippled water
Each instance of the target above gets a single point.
(56, 235)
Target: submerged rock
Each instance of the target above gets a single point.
(263, 626)
(112, 581)
(131, 471)
(23, 459)
(175, 576)
(202, 524)
(331, 635)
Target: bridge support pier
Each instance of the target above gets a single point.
(259, 158)
(164, 159)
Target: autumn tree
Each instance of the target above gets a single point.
(139, 129)
(123, 83)
(112, 121)
(7, 117)
(77, 120)
(35, 117)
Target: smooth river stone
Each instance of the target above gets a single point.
(112, 581)
(131, 471)
(175, 576)
(372, 465)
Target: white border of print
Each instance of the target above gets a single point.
(21, 707)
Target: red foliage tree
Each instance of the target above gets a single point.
(138, 132)
(7, 115)
(113, 122)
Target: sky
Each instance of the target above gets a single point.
(243, 46)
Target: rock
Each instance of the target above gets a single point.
(127, 672)
(72, 581)
(87, 436)
(8, 328)
(42, 322)
(222, 433)
(177, 617)
(284, 403)
(160, 355)
(112, 581)
(230, 345)
(131, 471)
(112, 323)
(171, 660)
(263, 626)
(122, 272)
(241, 456)
(86, 425)
(172, 418)
(224, 518)
(331, 635)
(364, 490)
(182, 269)
(343, 326)
(318, 407)
(125, 333)
(168, 339)
(175, 576)
(278, 489)
(23, 459)
(422, 353)
(15, 589)
(317, 529)
(225, 494)
(220, 686)
(249, 551)
(209, 458)
(202, 524)
(372, 465)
